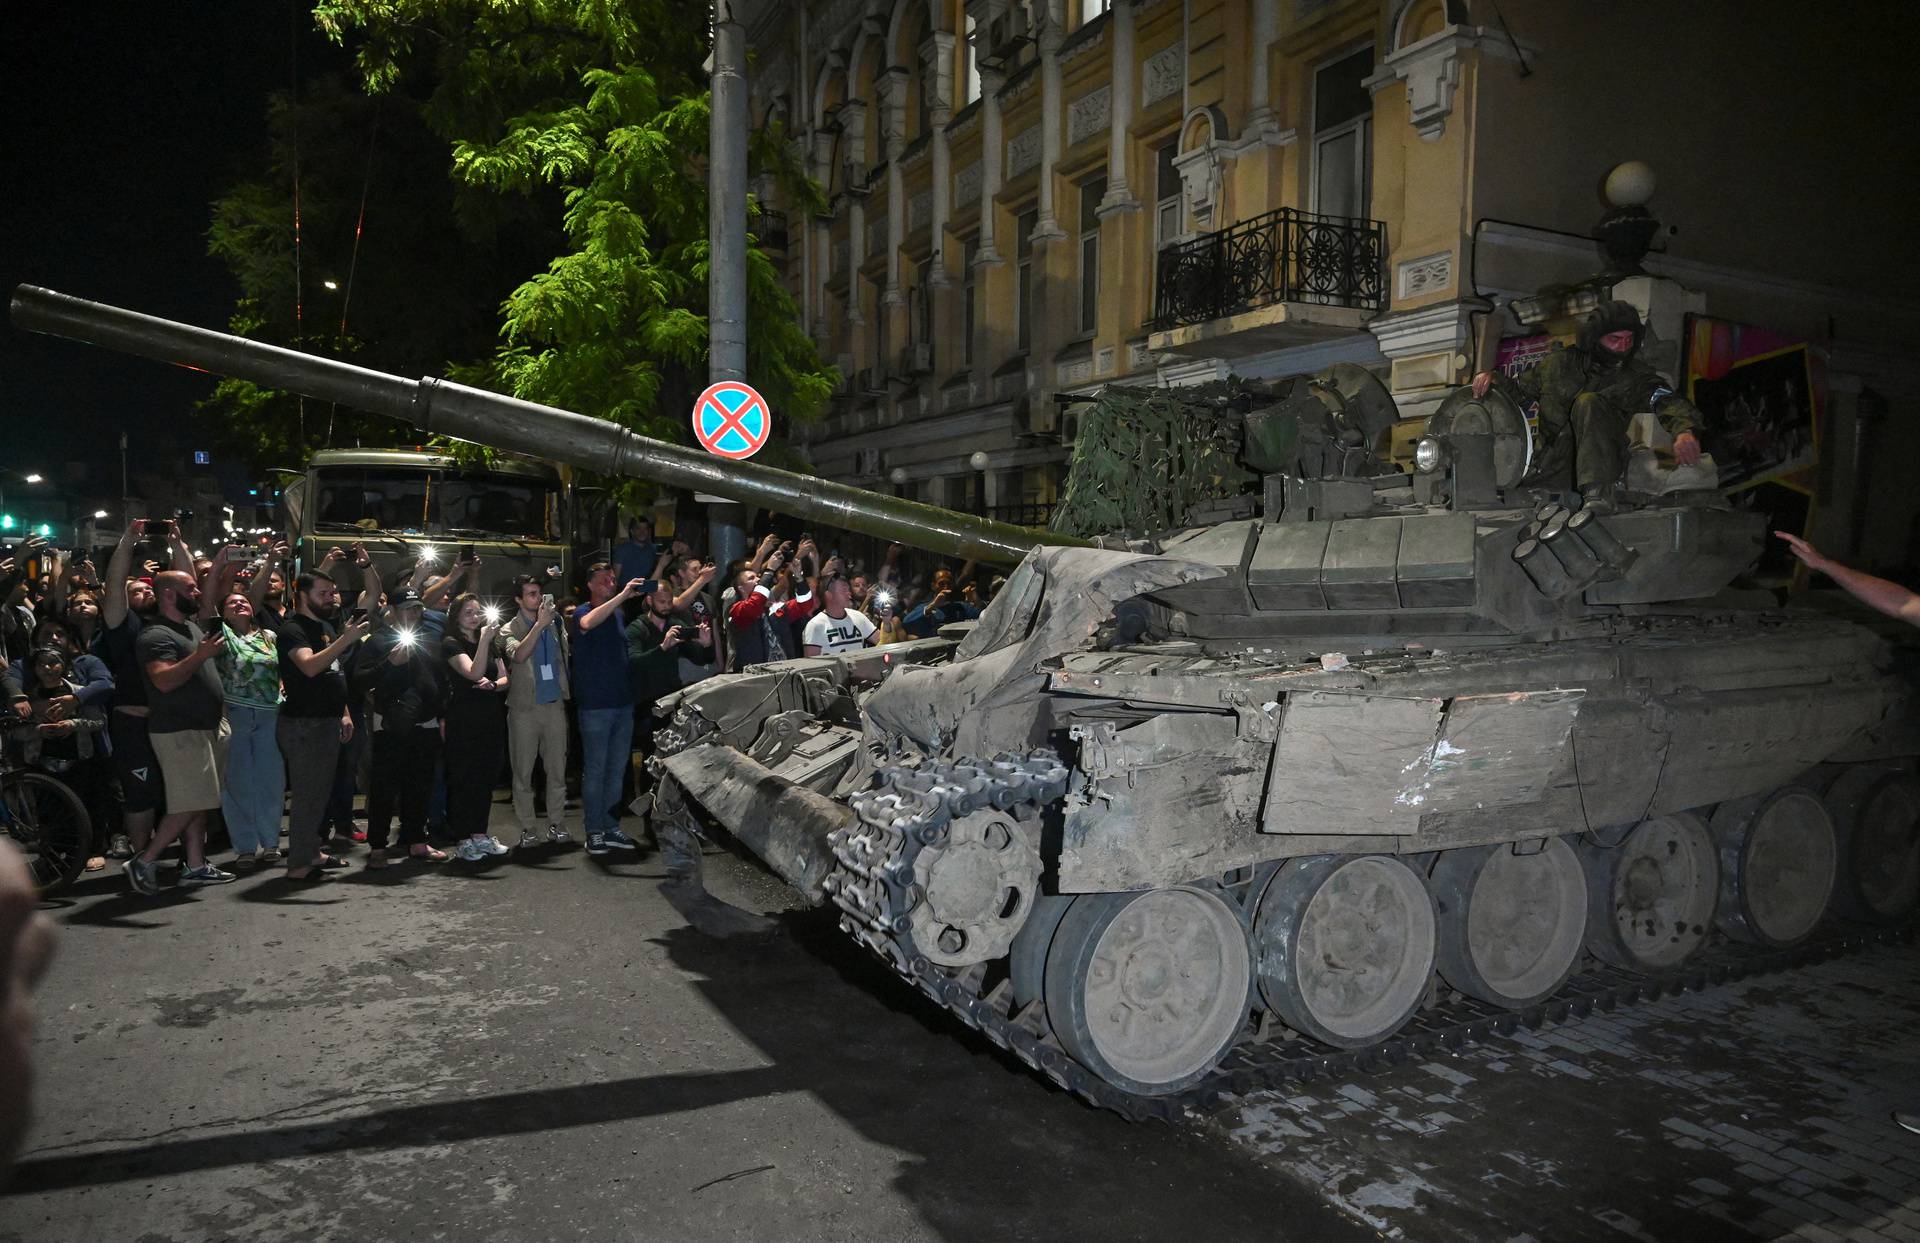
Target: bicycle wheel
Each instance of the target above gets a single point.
(49, 823)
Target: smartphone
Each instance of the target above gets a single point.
(235, 555)
(546, 601)
(466, 554)
(154, 527)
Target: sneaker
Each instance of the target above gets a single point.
(528, 840)
(559, 836)
(358, 835)
(468, 851)
(120, 848)
(597, 844)
(1911, 1121)
(490, 845)
(140, 876)
(268, 855)
(617, 840)
(205, 874)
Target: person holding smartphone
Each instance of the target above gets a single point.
(476, 724)
(315, 652)
(657, 641)
(537, 695)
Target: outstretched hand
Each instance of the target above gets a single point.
(1686, 448)
(1809, 555)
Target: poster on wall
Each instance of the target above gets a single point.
(1756, 390)
(1759, 393)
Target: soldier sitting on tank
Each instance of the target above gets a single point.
(1587, 395)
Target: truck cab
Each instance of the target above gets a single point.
(404, 504)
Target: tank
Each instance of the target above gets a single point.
(1347, 762)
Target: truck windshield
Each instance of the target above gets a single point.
(355, 498)
(502, 505)
(433, 502)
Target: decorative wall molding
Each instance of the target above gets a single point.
(1416, 278)
(919, 211)
(1079, 371)
(1431, 71)
(1090, 114)
(1023, 151)
(1163, 74)
(966, 184)
(1103, 361)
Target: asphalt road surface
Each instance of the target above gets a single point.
(546, 1050)
(543, 1048)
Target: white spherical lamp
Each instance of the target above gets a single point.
(979, 459)
(1630, 184)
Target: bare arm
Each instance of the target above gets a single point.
(692, 593)
(171, 676)
(602, 612)
(313, 663)
(521, 650)
(1876, 593)
(177, 547)
(113, 604)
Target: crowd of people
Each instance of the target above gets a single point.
(183, 696)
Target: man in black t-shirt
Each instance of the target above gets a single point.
(314, 721)
(187, 725)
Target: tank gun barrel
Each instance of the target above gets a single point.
(444, 408)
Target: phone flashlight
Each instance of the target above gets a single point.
(407, 638)
(492, 615)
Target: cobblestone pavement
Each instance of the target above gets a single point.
(1760, 1109)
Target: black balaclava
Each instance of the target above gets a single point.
(1606, 318)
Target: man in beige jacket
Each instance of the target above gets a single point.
(537, 694)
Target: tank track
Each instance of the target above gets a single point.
(910, 807)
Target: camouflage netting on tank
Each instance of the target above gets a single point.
(1145, 456)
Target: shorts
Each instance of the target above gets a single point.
(141, 788)
(194, 762)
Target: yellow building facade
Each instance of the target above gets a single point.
(1032, 199)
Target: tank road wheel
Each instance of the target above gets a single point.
(1346, 946)
(1511, 925)
(976, 884)
(1650, 899)
(1876, 814)
(1778, 859)
(1149, 990)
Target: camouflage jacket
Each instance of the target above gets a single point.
(1566, 373)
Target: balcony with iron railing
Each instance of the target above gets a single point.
(1283, 278)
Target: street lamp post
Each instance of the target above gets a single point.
(26, 477)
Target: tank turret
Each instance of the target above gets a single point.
(443, 408)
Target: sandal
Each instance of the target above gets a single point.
(97, 864)
(429, 853)
(331, 863)
(376, 859)
(268, 856)
(313, 877)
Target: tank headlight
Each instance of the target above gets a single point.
(1429, 455)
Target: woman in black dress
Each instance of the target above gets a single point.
(476, 724)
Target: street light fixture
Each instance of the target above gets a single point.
(31, 478)
(99, 513)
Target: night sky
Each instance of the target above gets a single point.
(124, 122)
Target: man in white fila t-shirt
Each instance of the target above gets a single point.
(836, 627)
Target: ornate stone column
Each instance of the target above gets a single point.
(852, 118)
(936, 70)
(818, 238)
(1126, 80)
(893, 141)
(1259, 84)
(1046, 228)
